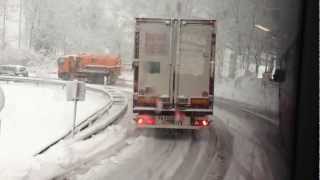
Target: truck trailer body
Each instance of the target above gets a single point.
(89, 67)
(173, 72)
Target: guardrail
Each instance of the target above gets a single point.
(86, 122)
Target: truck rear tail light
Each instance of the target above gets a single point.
(197, 123)
(201, 122)
(145, 119)
(150, 121)
(205, 122)
(140, 121)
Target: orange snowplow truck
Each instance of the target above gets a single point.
(90, 68)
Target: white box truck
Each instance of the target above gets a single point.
(173, 73)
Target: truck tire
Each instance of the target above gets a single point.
(65, 76)
(99, 79)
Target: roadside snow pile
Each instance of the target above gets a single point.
(32, 118)
(108, 165)
(63, 157)
(249, 90)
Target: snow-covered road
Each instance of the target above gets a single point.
(238, 146)
(36, 115)
(147, 154)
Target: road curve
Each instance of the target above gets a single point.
(238, 145)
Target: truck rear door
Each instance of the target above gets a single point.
(153, 48)
(194, 61)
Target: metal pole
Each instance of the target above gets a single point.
(74, 116)
(75, 109)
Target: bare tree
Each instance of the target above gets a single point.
(4, 19)
(20, 23)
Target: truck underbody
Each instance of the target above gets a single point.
(91, 76)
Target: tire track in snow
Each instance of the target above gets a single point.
(174, 160)
(137, 161)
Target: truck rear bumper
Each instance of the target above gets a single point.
(165, 126)
(152, 110)
(178, 121)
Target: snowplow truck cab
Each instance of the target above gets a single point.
(90, 68)
(173, 73)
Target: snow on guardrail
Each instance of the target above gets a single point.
(90, 125)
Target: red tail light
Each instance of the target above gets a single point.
(150, 121)
(197, 123)
(145, 119)
(205, 122)
(140, 121)
(201, 122)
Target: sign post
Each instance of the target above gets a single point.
(74, 116)
(76, 91)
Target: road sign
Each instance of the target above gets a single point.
(76, 91)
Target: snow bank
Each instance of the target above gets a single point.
(249, 90)
(66, 155)
(32, 118)
(255, 144)
(109, 164)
